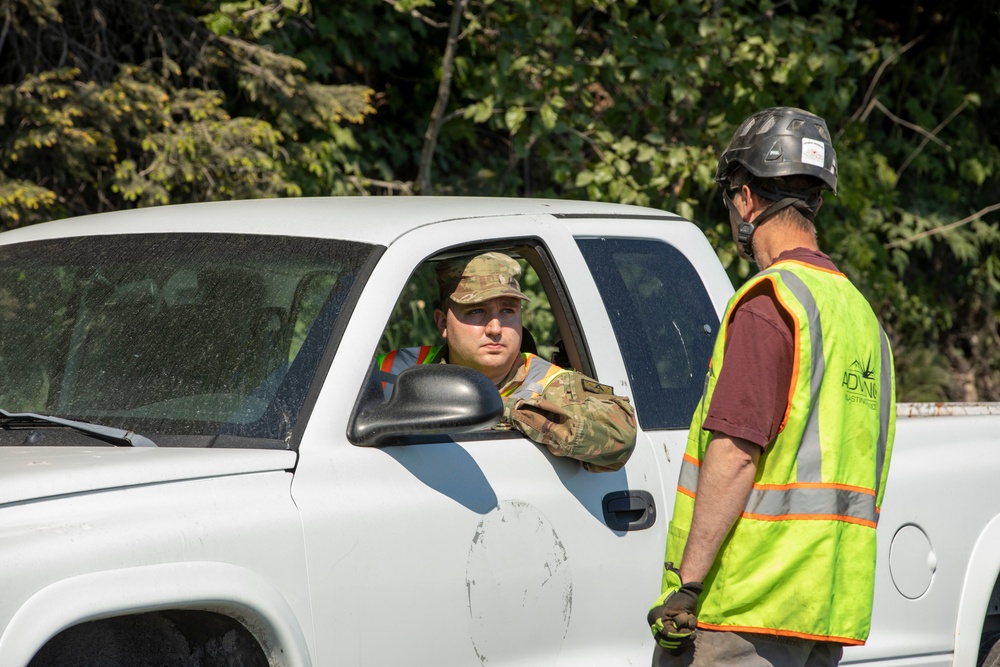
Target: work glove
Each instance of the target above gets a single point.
(673, 617)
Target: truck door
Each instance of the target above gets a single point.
(664, 290)
(480, 548)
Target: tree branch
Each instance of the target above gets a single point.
(865, 107)
(251, 14)
(916, 128)
(363, 183)
(444, 92)
(6, 24)
(593, 144)
(417, 15)
(943, 228)
(934, 132)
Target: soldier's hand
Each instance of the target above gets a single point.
(673, 618)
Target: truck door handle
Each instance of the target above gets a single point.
(629, 510)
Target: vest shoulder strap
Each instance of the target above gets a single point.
(539, 374)
(395, 362)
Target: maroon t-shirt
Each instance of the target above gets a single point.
(751, 393)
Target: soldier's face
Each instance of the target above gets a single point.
(485, 336)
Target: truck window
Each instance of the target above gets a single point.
(170, 335)
(412, 320)
(664, 323)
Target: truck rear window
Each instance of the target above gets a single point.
(664, 323)
(170, 335)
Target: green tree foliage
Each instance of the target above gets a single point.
(117, 103)
(633, 101)
(112, 104)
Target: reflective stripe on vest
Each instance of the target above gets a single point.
(538, 376)
(773, 502)
(802, 499)
(800, 559)
(395, 362)
(810, 456)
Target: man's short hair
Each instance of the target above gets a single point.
(767, 189)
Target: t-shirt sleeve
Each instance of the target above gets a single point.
(751, 393)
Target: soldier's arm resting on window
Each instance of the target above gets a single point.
(580, 418)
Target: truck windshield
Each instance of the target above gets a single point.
(189, 339)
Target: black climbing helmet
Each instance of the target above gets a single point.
(781, 141)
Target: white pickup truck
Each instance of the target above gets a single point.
(197, 466)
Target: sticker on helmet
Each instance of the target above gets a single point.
(813, 152)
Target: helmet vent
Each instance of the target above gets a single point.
(795, 124)
(821, 130)
(747, 126)
(768, 124)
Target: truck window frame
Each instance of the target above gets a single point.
(664, 399)
(540, 261)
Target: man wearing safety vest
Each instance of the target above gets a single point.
(771, 549)
(479, 318)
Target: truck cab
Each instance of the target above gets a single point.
(186, 443)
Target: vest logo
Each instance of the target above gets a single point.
(860, 384)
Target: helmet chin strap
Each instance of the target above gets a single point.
(743, 231)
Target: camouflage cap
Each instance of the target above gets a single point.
(479, 278)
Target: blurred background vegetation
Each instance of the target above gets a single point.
(111, 104)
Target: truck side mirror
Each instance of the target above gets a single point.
(431, 399)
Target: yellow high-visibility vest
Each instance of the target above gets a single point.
(800, 559)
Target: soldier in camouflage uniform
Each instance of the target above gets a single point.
(479, 317)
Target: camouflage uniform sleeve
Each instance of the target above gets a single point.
(579, 418)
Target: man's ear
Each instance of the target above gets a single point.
(750, 202)
(441, 321)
